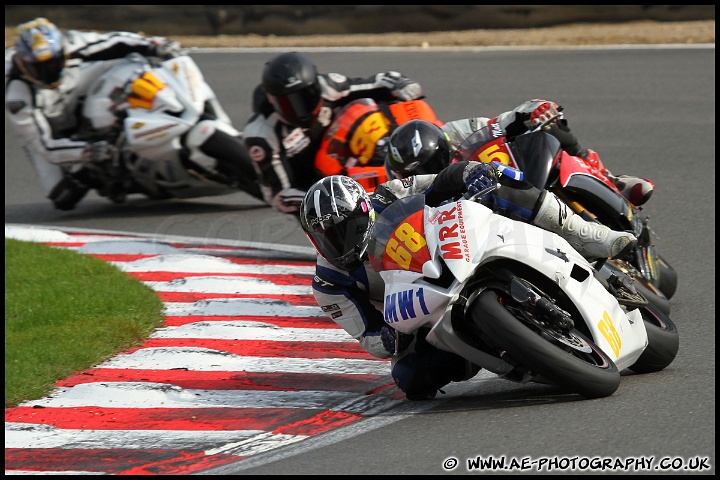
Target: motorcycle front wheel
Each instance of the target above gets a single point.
(565, 358)
(663, 341)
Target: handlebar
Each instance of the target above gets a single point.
(481, 193)
(501, 169)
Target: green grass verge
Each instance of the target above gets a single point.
(64, 312)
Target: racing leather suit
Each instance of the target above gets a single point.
(519, 120)
(511, 124)
(44, 119)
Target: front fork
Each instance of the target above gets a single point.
(524, 293)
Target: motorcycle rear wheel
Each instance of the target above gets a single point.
(663, 341)
(668, 278)
(568, 359)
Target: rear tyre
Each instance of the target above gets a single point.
(565, 358)
(653, 295)
(663, 341)
(668, 278)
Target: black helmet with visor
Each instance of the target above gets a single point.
(338, 218)
(291, 84)
(415, 148)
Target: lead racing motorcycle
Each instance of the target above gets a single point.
(514, 299)
(586, 190)
(169, 136)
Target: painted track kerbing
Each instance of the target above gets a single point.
(246, 362)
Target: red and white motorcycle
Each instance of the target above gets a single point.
(588, 191)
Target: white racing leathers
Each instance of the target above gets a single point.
(44, 119)
(40, 115)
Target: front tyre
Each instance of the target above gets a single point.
(663, 341)
(566, 358)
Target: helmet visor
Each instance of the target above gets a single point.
(343, 244)
(432, 165)
(46, 72)
(298, 108)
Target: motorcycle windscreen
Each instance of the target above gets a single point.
(398, 241)
(537, 154)
(486, 145)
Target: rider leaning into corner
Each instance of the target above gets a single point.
(292, 109)
(338, 217)
(47, 72)
(536, 113)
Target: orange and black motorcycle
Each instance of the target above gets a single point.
(356, 142)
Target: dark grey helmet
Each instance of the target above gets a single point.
(415, 148)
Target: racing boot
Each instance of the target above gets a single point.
(67, 193)
(592, 240)
(637, 190)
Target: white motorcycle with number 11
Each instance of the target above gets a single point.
(512, 298)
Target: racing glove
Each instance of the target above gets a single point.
(288, 200)
(394, 341)
(401, 87)
(478, 177)
(543, 114)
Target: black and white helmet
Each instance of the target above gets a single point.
(416, 148)
(338, 218)
(291, 84)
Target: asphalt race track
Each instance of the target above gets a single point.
(647, 111)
